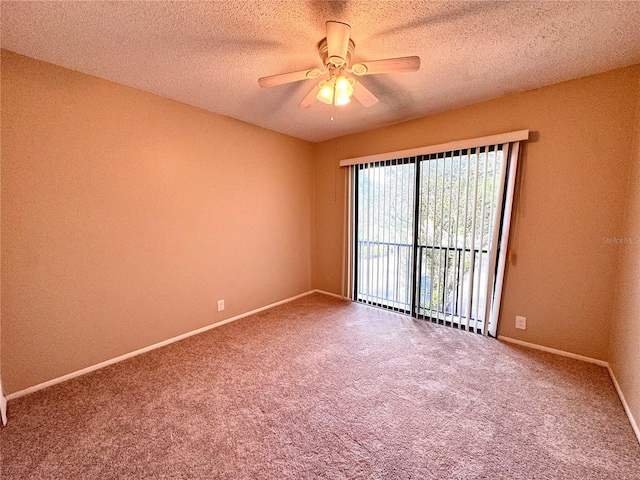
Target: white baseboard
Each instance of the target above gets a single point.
(3, 406)
(634, 424)
(324, 292)
(602, 363)
(562, 353)
(100, 365)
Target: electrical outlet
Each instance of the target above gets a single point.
(220, 305)
(521, 322)
(327, 280)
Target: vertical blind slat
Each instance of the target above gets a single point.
(429, 253)
(458, 264)
(473, 184)
(506, 223)
(481, 248)
(447, 260)
(467, 183)
(497, 195)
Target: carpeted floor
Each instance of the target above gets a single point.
(320, 388)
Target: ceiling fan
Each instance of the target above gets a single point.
(336, 51)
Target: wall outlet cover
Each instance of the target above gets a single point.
(220, 305)
(521, 322)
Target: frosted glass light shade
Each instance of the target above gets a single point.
(325, 94)
(342, 98)
(336, 91)
(344, 86)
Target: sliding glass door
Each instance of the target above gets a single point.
(427, 230)
(385, 233)
(457, 226)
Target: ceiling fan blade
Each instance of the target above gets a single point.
(389, 65)
(273, 80)
(363, 95)
(337, 42)
(310, 99)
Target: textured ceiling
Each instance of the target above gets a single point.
(211, 54)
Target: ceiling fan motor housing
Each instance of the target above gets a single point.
(336, 61)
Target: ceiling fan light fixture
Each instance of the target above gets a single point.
(342, 98)
(336, 91)
(325, 94)
(344, 86)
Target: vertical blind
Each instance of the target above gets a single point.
(426, 234)
(385, 230)
(457, 222)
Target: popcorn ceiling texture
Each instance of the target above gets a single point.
(320, 388)
(210, 54)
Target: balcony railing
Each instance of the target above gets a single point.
(444, 272)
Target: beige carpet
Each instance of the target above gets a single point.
(321, 388)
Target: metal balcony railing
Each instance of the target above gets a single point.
(383, 274)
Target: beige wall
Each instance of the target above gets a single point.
(574, 172)
(625, 333)
(126, 216)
